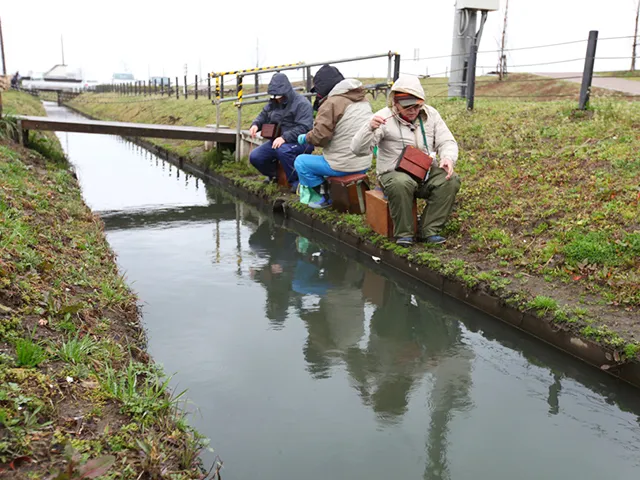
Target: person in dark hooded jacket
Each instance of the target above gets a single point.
(342, 110)
(15, 80)
(294, 115)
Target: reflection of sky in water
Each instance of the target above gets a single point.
(305, 367)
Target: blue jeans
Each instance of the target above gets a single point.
(265, 156)
(312, 169)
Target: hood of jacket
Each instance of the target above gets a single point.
(280, 85)
(407, 84)
(350, 87)
(326, 79)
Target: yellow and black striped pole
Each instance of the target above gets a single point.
(240, 91)
(218, 102)
(253, 70)
(240, 88)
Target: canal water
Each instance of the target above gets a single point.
(303, 360)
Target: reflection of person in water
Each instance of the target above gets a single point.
(408, 339)
(336, 322)
(277, 245)
(411, 338)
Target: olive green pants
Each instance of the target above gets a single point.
(439, 192)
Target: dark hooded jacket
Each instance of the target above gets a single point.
(294, 115)
(324, 80)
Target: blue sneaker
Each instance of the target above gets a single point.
(405, 241)
(325, 202)
(435, 239)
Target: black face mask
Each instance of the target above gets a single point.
(318, 101)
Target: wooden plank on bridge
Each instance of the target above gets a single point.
(223, 135)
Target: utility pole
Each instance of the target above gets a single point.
(635, 40)
(464, 36)
(464, 22)
(502, 60)
(4, 66)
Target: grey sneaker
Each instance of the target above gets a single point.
(435, 239)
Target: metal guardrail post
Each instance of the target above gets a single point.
(218, 102)
(471, 76)
(587, 74)
(309, 85)
(221, 86)
(396, 67)
(239, 120)
(389, 63)
(209, 86)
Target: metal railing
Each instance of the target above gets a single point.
(393, 71)
(374, 86)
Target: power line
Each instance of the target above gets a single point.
(616, 58)
(615, 38)
(519, 48)
(528, 80)
(506, 50)
(544, 63)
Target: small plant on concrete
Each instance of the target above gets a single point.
(631, 350)
(543, 304)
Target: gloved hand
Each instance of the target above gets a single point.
(302, 139)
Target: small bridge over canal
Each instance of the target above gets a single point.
(221, 136)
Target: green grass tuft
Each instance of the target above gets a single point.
(29, 353)
(543, 304)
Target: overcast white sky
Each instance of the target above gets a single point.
(156, 38)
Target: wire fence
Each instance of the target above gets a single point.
(211, 87)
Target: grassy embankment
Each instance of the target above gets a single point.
(74, 375)
(548, 213)
(626, 74)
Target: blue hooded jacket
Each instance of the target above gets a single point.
(295, 114)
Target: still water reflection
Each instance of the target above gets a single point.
(308, 361)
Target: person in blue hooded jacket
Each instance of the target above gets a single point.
(294, 115)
